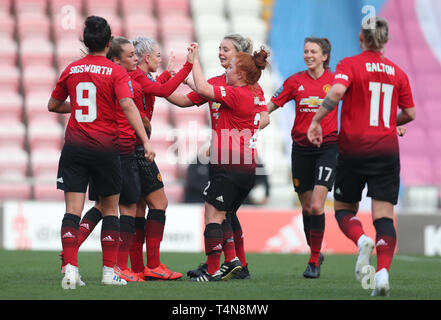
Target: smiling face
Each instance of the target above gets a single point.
(313, 56)
(128, 59)
(227, 51)
(234, 77)
(153, 58)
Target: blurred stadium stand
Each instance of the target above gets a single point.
(39, 38)
(415, 45)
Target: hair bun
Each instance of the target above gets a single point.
(260, 58)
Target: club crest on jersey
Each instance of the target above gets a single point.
(215, 106)
(326, 88)
(312, 102)
(159, 177)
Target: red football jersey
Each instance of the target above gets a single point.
(308, 94)
(235, 138)
(127, 136)
(375, 89)
(93, 84)
(163, 86)
(214, 105)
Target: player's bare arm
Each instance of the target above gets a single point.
(264, 120)
(202, 87)
(180, 100)
(271, 106)
(405, 116)
(331, 100)
(58, 106)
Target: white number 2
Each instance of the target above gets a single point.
(376, 88)
(253, 140)
(89, 102)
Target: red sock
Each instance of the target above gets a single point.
(228, 243)
(126, 232)
(69, 238)
(238, 239)
(110, 240)
(385, 242)
(136, 251)
(239, 246)
(317, 224)
(213, 236)
(154, 231)
(88, 223)
(349, 224)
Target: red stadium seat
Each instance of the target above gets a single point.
(174, 192)
(14, 158)
(35, 107)
(15, 191)
(162, 111)
(176, 27)
(33, 25)
(44, 163)
(65, 28)
(9, 78)
(68, 51)
(416, 170)
(173, 6)
(12, 133)
(101, 7)
(7, 25)
(11, 105)
(140, 25)
(414, 141)
(36, 52)
(45, 134)
(6, 6)
(30, 6)
(47, 191)
(437, 170)
(8, 51)
(39, 78)
(64, 6)
(129, 7)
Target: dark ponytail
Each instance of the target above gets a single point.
(96, 33)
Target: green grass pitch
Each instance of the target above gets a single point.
(32, 275)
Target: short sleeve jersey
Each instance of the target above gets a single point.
(127, 135)
(93, 84)
(214, 106)
(163, 86)
(376, 87)
(308, 94)
(235, 138)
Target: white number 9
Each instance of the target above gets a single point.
(89, 102)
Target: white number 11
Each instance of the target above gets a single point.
(376, 88)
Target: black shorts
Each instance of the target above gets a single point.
(227, 190)
(78, 165)
(350, 182)
(311, 166)
(131, 186)
(150, 177)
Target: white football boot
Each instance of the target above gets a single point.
(381, 283)
(79, 282)
(365, 248)
(111, 278)
(70, 277)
